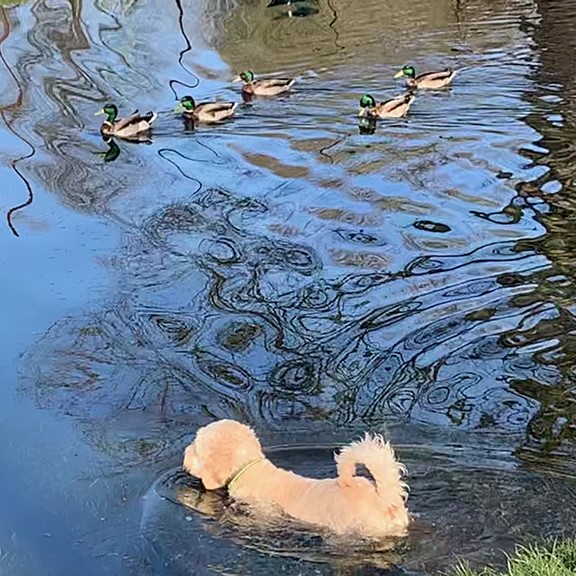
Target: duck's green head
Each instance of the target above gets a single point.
(111, 111)
(408, 71)
(187, 104)
(366, 101)
(247, 76)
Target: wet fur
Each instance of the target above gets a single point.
(348, 504)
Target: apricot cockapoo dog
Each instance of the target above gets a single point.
(228, 454)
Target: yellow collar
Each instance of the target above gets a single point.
(243, 470)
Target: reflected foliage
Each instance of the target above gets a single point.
(254, 329)
(548, 197)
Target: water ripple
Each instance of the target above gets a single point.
(291, 268)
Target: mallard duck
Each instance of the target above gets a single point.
(428, 80)
(394, 108)
(209, 112)
(264, 87)
(134, 127)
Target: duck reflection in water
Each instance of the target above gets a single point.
(113, 150)
(366, 125)
(295, 8)
(188, 123)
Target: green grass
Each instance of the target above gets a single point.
(558, 559)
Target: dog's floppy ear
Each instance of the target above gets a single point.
(190, 463)
(215, 461)
(212, 476)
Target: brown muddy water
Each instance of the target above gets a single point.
(294, 269)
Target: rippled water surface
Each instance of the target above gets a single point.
(293, 268)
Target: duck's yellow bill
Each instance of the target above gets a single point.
(237, 79)
(100, 112)
(362, 112)
(179, 107)
(399, 74)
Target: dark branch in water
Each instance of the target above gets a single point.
(3, 110)
(331, 25)
(162, 153)
(30, 198)
(183, 52)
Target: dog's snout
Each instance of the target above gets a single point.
(190, 463)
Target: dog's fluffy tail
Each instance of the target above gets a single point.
(378, 457)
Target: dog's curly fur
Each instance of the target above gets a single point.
(228, 454)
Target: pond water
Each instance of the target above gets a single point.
(292, 268)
